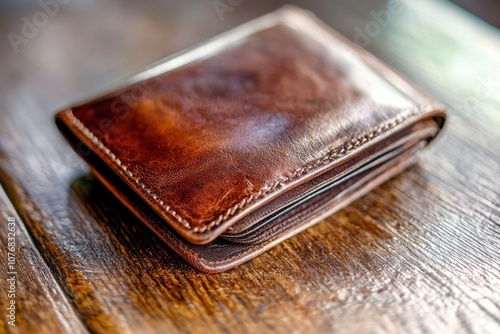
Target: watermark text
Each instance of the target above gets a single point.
(11, 271)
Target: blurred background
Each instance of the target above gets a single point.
(61, 51)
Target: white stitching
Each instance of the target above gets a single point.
(354, 143)
(80, 126)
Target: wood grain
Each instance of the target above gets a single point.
(34, 286)
(418, 254)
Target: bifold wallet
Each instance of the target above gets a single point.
(229, 148)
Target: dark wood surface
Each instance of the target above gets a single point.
(419, 254)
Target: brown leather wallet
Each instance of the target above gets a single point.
(231, 147)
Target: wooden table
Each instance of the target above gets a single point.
(419, 254)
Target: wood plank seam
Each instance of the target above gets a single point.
(21, 225)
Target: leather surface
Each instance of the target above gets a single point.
(250, 125)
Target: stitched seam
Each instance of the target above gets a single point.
(253, 247)
(330, 156)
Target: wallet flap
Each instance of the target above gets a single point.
(230, 125)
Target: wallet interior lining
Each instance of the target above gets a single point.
(255, 234)
(374, 155)
(331, 197)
